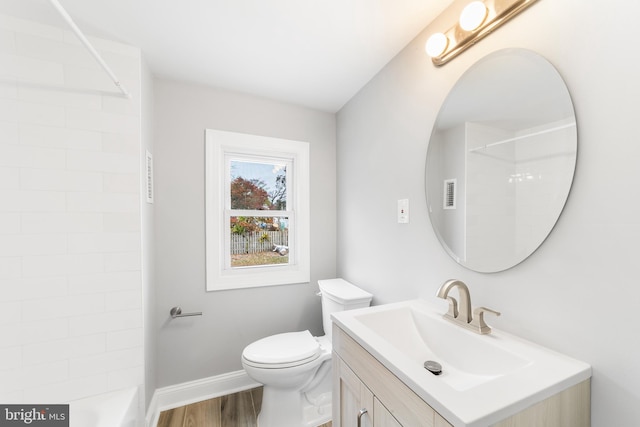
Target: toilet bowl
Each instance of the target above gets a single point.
(295, 367)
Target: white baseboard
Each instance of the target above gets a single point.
(195, 391)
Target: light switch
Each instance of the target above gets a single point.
(403, 211)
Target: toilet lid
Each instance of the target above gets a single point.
(283, 348)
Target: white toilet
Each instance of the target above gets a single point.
(295, 367)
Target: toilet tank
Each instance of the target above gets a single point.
(340, 295)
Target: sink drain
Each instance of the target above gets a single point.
(434, 367)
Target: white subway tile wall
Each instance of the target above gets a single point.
(70, 251)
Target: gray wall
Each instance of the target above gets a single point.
(199, 347)
(579, 292)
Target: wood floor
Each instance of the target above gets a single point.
(234, 410)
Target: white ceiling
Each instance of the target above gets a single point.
(315, 53)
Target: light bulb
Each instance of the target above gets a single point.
(436, 44)
(473, 15)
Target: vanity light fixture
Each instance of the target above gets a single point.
(437, 44)
(473, 15)
(477, 19)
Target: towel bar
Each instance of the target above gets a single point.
(177, 312)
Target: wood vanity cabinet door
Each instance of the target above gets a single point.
(350, 395)
(441, 422)
(382, 417)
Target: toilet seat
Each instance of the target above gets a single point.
(282, 350)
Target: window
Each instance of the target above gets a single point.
(257, 211)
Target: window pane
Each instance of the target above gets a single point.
(257, 185)
(259, 241)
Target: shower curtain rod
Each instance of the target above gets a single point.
(90, 47)
(519, 137)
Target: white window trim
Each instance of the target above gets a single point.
(218, 146)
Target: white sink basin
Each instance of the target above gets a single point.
(468, 359)
(485, 378)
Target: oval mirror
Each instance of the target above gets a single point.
(501, 160)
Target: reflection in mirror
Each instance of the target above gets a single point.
(501, 160)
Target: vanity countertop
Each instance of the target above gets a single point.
(485, 378)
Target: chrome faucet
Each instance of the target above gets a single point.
(460, 313)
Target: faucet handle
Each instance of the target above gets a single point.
(478, 322)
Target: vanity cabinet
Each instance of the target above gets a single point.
(360, 381)
(356, 396)
(353, 396)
